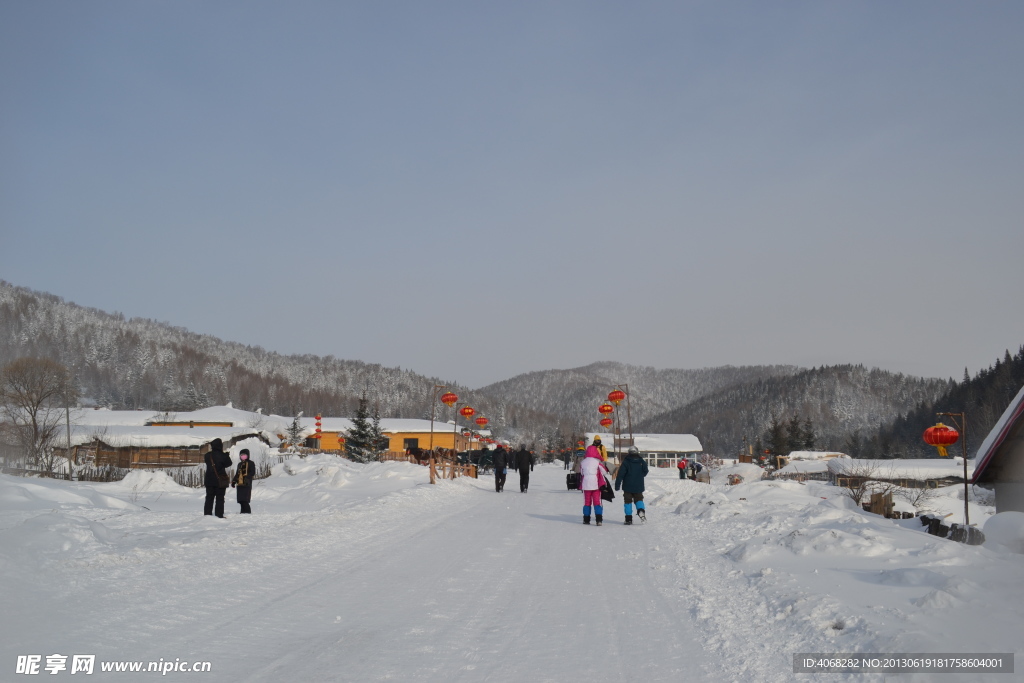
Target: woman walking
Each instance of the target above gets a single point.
(242, 482)
(593, 471)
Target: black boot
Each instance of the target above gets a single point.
(599, 520)
(629, 520)
(642, 514)
(586, 519)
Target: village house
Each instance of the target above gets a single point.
(915, 473)
(133, 447)
(403, 434)
(999, 462)
(659, 450)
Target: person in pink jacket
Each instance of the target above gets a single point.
(593, 471)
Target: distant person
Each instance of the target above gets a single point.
(682, 468)
(500, 468)
(524, 463)
(577, 460)
(242, 482)
(216, 479)
(573, 479)
(631, 479)
(593, 470)
(600, 448)
(565, 459)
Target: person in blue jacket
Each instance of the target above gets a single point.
(630, 479)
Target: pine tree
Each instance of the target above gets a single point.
(379, 441)
(776, 439)
(794, 435)
(294, 434)
(853, 444)
(809, 440)
(360, 441)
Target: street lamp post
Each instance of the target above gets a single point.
(433, 409)
(962, 426)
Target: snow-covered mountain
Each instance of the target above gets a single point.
(575, 394)
(839, 400)
(141, 363)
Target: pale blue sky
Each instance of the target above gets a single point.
(473, 190)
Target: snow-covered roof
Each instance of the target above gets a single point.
(656, 443)
(102, 416)
(228, 413)
(88, 417)
(1013, 413)
(805, 467)
(815, 455)
(121, 436)
(919, 469)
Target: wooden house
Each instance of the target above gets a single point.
(1000, 459)
(149, 446)
(915, 473)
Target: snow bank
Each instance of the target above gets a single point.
(1005, 532)
(769, 562)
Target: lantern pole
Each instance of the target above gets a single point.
(963, 442)
(433, 408)
(629, 415)
(618, 435)
(455, 432)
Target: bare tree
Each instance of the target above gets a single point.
(865, 477)
(33, 395)
(920, 498)
(256, 420)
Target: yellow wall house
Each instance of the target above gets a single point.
(402, 434)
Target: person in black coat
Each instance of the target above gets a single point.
(216, 480)
(500, 468)
(242, 481)
(524, 463)
(631, 479)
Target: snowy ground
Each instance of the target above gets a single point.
(359, 573)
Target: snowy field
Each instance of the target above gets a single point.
(349, 572)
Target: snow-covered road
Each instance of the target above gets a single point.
(501, 587)
(361, 573)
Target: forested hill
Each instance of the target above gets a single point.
(576, 394)
(837, 400)
(983, 398)
(141, 363)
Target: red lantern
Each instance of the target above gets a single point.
(467, 412)
(449, 399)
(941, 436)
(616, 396)
(481, 420)
(606, 409)
(607, 422)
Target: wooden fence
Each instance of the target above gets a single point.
(442, 467)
